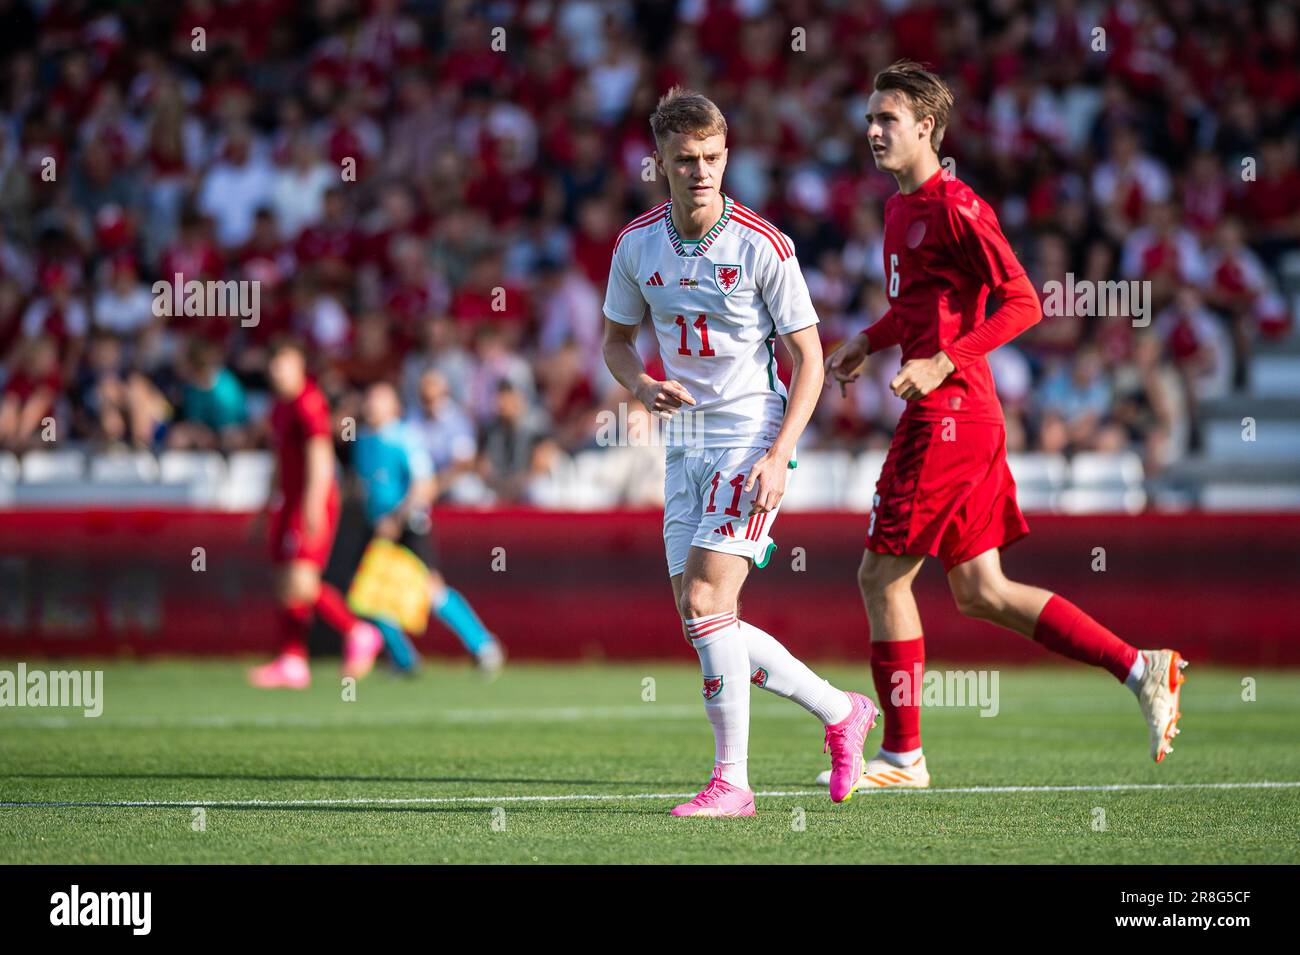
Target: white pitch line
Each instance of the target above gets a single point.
(553, 714)
(767, 710)
(1112, 787)
(596, 797)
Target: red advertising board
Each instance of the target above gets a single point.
(1222, 588)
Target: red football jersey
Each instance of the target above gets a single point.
(944, 252)
(292, 423)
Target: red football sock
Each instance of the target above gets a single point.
(293, 630)
(333, 609)
(902, 720)
(1065, 629)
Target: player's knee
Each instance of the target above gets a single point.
(978, 598)
(437, 589)
(874, 578)
(301, 587)
(699, 599)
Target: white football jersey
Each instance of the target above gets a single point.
(717, 309)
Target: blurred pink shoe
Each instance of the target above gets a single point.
(360, 647)
(287, 671)
(719, 798)
(844, 740)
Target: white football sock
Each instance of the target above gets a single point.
(901, 760)
(775, 668)
(725, 666)
(1139, 669)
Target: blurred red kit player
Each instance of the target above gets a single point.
(304, 515)
(302, 529)
(945, 489)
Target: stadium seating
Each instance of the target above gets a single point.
(201, 475)
(619, 477)
(862, 485)
(1251, 497)
(590, 480)
(58, 466)
(1275, 438)
(10, 472)
(833, 480)
(1271, 404)
(1040, 478)
(598, 478)
(248, 480)
(156, 216)
(820, 482)
(1104, 483)
(135, 467)
(191, 467)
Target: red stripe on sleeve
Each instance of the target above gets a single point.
(782, 250)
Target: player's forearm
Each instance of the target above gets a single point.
(806, 381)
(320, 474)
(1020, 309)
(881, 334)
(624, 363)
(314, 496)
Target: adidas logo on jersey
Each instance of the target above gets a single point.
(655, 280)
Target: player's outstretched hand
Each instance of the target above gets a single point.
(844, 364)
(664, 398)
(920, 376)
(769, 475)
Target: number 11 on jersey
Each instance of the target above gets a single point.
(702, 323)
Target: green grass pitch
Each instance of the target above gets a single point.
(445, 768)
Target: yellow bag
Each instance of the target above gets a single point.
(393, 584)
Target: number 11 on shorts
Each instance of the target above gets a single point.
(737, 483)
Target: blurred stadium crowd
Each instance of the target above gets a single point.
(468, 258)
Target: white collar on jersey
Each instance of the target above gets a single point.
(703, 246)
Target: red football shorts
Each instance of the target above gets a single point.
(945, 491)
(289, 543)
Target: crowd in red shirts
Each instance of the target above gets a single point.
(428, 192)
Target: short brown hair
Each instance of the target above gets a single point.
(286, 342)
(926, 94)
(685, 111)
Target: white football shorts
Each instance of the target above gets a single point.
(705, 505)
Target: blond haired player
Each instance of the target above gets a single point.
(722, 284)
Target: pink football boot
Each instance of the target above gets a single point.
(360, 647)
(287, 671)
(844, 741)
(719, 798)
